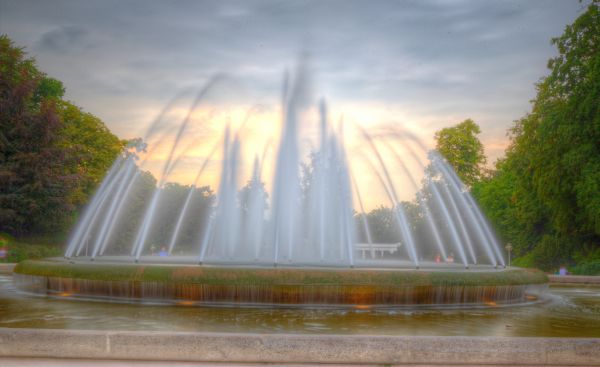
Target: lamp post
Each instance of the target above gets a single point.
(509, 249)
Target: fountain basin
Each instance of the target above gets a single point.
(256, 286)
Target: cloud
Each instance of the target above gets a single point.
(64, 39)
(426, 63)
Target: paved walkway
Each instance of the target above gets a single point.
(574, 279)
(45, 362)
(206, 348)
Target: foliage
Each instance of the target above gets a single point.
(19, 251)
(517, 214)
(32, 182)
(52, 154)
(463, 150)
(48, 88)
(132, 211)
(382, 226)
(172, 200)
(588, 262)
(251, 188)
(526, 261)
(86, 137)
(545, 195)
(592, 268)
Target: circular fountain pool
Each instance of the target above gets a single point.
(302, 242)
(245, 285)
(567, 312)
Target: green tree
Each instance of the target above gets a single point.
(130, 219)
(52, 155)
(545, 195)
(48, 88)
(383, 226)
(85, 137)
(32, 182)
(463, 150)
(566, 115)
(252, 187)
(518, 215)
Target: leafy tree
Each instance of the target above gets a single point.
(463, 150)
(52, 155)
(516, 212)
(32, 182)
(566, 114)
(173, 197)
(383, 225)
(48, 88)
(545, 195)
(85, 137)
(130, 219)
(253, 187)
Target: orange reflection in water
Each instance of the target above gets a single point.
(185, 303)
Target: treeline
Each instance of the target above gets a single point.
(52, 154)
(436, 216)
(544, 195)
(122, 232)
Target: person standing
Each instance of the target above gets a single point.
(3, 249)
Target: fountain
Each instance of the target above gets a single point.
(304, 247)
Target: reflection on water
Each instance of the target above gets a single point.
(569, 312)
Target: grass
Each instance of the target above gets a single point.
(275, 276)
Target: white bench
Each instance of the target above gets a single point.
(374, 248)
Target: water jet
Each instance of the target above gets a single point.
(296, 249)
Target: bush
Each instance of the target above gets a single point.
(19, 251)
(592, 268)
(526, 261)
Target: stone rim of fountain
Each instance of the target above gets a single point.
(219, 285)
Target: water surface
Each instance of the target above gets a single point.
(568, 312)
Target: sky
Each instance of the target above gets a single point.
(419, 65)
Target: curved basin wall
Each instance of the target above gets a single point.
(357, 295)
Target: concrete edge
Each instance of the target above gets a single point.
(7, 268)
(290, 348)
(73, 362)
(574, 279)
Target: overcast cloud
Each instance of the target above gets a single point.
(438, 62)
